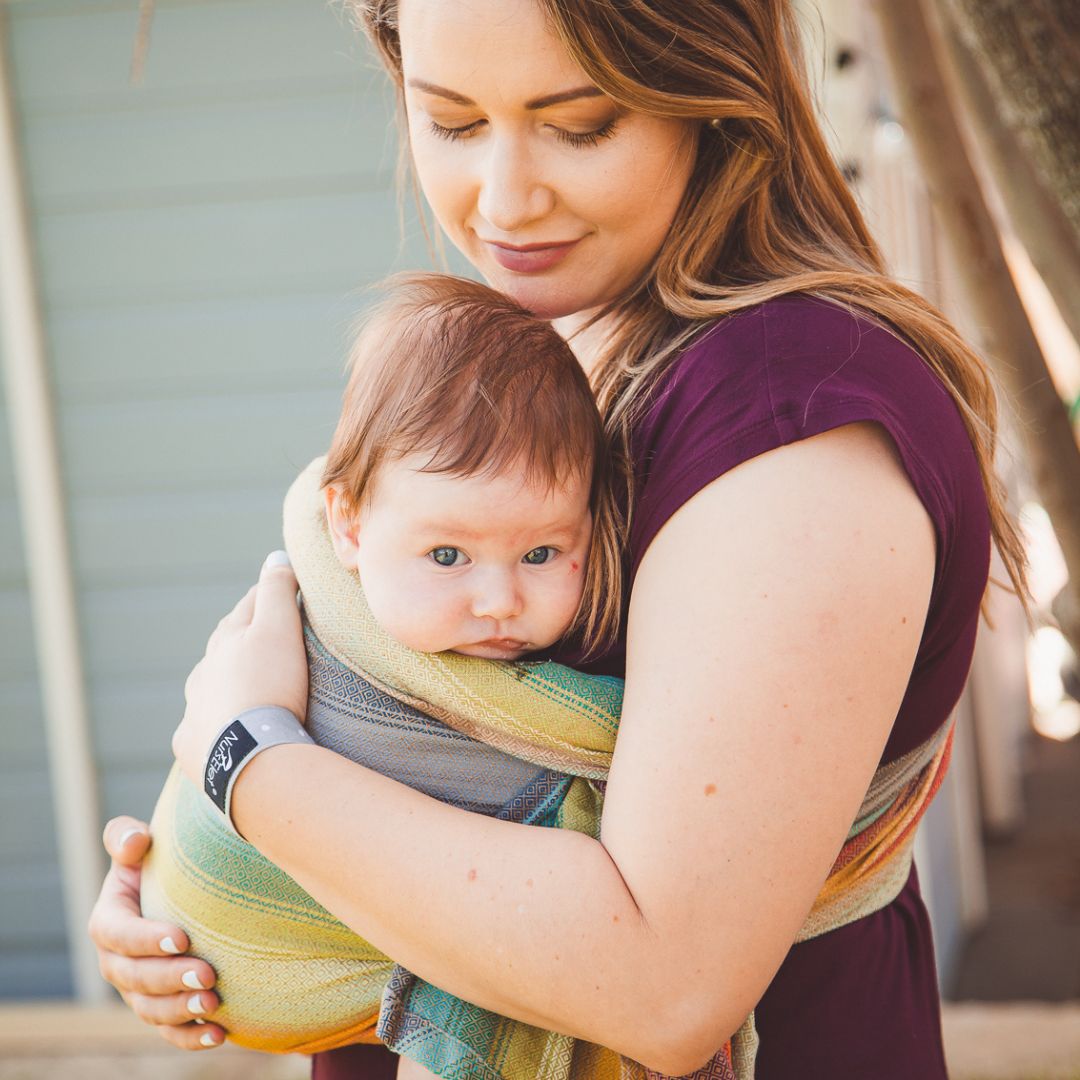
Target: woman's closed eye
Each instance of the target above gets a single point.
(448, 556)
(571, 138)
(453, 133)
(539, 556)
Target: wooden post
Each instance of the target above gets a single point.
(914, 49)
(48, 559)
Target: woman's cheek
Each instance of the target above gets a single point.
(435, 173)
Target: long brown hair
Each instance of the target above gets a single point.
(766, 211)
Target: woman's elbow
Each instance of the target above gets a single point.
(680, 1058)
(680, 1038)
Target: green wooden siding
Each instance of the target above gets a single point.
(202, 243)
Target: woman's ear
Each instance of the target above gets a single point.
(343, 526)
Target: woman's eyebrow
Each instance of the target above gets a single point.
(536, 103)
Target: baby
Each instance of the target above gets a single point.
(469, 479)
(465, 507)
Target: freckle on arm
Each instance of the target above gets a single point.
(710, 789)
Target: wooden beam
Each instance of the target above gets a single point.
(41, 502)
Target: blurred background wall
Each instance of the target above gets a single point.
(198, 244)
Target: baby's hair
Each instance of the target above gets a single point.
(450, 369)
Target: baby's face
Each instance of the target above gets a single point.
(485, 566)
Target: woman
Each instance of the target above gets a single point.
(812, 507)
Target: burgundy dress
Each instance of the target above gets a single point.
(861, 1001)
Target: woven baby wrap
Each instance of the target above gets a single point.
(524, 742)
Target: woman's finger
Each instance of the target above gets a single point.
(193, 1036)
(275, 596)
(172, 1009)
(191, 683)
(240, 616)
(117, 926)
(159, 977)
(127, 840)
(237, 619)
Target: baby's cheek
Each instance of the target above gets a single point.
(397, 612)
(416, 630)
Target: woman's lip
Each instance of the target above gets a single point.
(529, 258)
(538, 246)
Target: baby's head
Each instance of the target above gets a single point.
(469, 481)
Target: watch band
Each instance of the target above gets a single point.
(244, 736)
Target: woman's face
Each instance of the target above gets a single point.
(557, 196)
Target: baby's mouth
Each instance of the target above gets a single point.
(509, 644)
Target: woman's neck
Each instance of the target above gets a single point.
(586, 341)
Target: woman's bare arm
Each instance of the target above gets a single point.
(773, 627)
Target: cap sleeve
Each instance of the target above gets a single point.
(793, 368)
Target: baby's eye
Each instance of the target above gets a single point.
(448, 556)
(539, 555)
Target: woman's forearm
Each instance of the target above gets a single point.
(533, 923)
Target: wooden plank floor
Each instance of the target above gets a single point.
(61, 1042)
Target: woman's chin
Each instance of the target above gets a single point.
(544, 295)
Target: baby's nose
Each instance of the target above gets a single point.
(496, 596)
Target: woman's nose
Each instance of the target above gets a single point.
(513, 192)
(496, 596)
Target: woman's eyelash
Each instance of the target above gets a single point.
(571, 138)
(452, 132)
(586, 138)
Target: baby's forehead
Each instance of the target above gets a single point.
(518, 484)
(480, 506)
(562, 522)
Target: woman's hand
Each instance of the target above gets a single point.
(254, 657)
(140, 957)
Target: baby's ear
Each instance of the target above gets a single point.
(343, 526)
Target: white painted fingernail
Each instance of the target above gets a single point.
(195, 1005)
(208, 1039)
(190, 979)
(127, 834)
(166, 944)
(277, 558)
